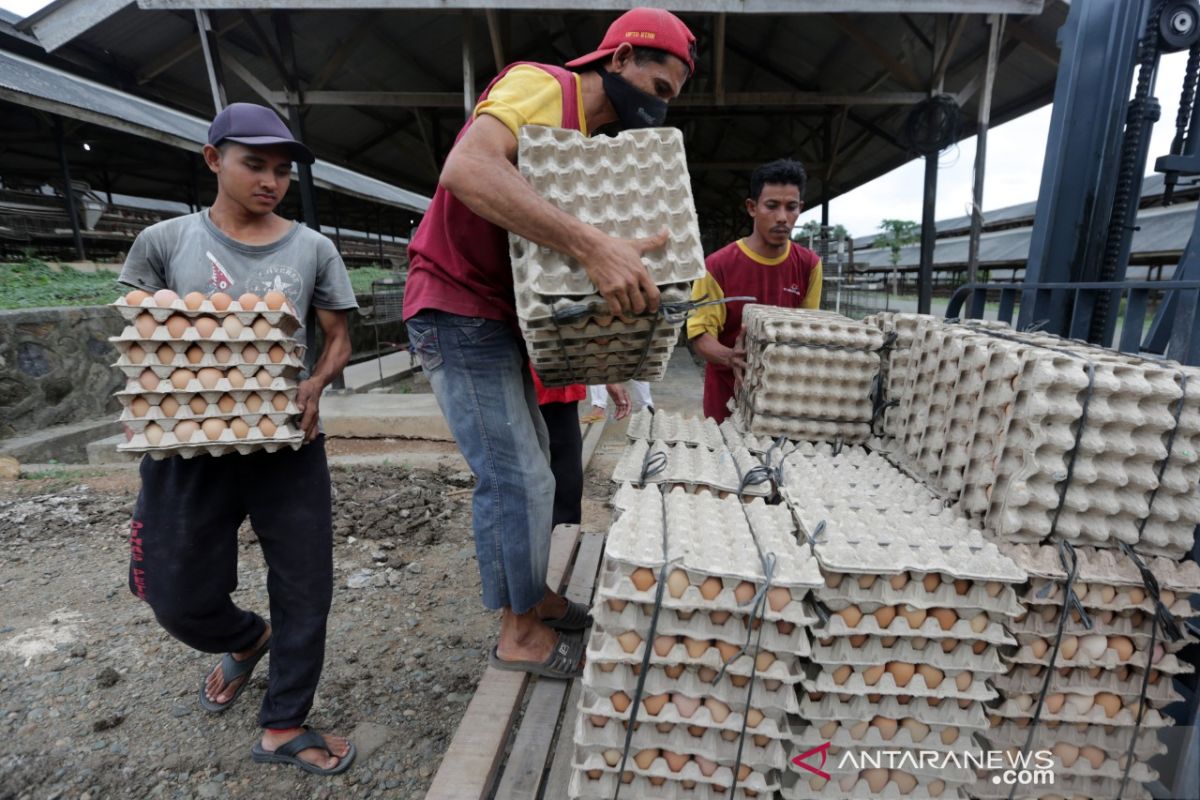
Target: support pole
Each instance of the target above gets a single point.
(68, 189)
(337, 223)
(719, 59)
(212, 59)
(468, 67)
(379, 229)
(928, 237)
(996, 23)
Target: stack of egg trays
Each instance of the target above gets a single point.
(809, 374)
(1091, 707)
(674, 428)
(896, 370)
(689, 722)
(691, 467)
(262, 377)
(630, 186)
(920, 602)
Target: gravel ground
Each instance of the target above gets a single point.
(96, 701)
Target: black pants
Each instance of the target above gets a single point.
(566, 460)
(183, 560)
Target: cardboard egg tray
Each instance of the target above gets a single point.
(1109, 567)
(896, 365)
(759, 445)
(807, 786)
(771, 695)
(873, 652)
(722, 776)
(856, 708)
(1067, 787)
(1168, 664)
(284, 319)
(240, 408)
(1023, 679)
(599, 703)
(995, 632)
(591, 742)
(1009, 734)
(991, 596)
(168, 424)
(179, 359)
(582, 787)
(603, 646)
(770, 425)
(1022, 707)
(692, 466)
(1033, 626)
(169, 446)
(870, 736)
(700, 626)
(821, 680)
(667, 426)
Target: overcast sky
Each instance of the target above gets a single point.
(1013, 172)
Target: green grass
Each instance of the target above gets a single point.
(361, 277)
(33, 284)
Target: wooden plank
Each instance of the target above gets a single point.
(470, 763)
(527, 763)
(595, 431)
(560, 767)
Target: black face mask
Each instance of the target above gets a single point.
(635, 108)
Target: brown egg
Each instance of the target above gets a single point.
(266, 427)
(613, 603)
(221, 301)
(1068, 647)
(842, 674)
(675, 761)
(1109, 702)
(250, 355)
(185, 430)
(194, 354)
(829, 729)
(213, 428)
(993, 588)
(612, 757)
(764, 660)
(136, 297)
(239, 427)
(641, 577)
(719, 617)
(663, 645)
(886, 641)
(253, 402)
(148, 380)
(785, 628)
(145, 325)
(192, 300)
(726, 649)
(226, 403)
(918, 642)
(743, 592)
(876, 778)
(177, 325)
(205, 327)
(644, 758)
(197, 405)
(945, 617)
(711, 587)
(1038, 647)
(222, 354)
(963, 681)
(932, 675)
(739, 680)
(180, 378)
(962, 586)
(978, 647)
(655, 703)
(900, 671)
(949, 735)
(209, 376)
(979, 622)
(163, 298)
(169, 406)
(248, 301)
(833, 580)
(898, 582)
(938, 787)
(697, 730)
(274, 300)
(686, 706)
(264, 379)
(695, 647)
(904, 781)
(866, 581)
(153, 433)
(948, 645)
(717, 709)
(931, 582)
(917, 730)
(912, 615)
(233, 326)
(884, 616)
(606, 666)
(165, 354)
(851, 616)
(135, 354)
(261, 328)
(629, 641)
(707, 768)
(886, 727)
(871, 675)
(1122, 645)
(778, 597)
(1136, 594)
(139, 406)
(677, 581)
(1167, 597)
(1054, 702)
(598, 720)
(620, 701)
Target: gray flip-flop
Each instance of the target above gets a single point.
(231, 670)
(289, 753)
(577, 618)
(562, 663)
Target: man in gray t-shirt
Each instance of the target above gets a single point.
(183, 538)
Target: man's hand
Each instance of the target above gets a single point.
(615, 267)
(736, 358)
(308, 400)
(620, 399)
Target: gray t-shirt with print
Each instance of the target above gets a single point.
(190, 254)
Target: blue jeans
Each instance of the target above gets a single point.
(483, 385)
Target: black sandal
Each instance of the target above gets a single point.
(562, 663)
(231, 670)
(577, 618)
(289, 753)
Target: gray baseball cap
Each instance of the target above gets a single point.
(256, 126)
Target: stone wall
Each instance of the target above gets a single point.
(55, 367)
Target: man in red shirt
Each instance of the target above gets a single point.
(765, 265)
(460, 309)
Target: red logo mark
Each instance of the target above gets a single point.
(137, 555)
(823, 750)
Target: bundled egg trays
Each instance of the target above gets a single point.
(919, 602)
(247, 377)
(1090, 712)
(694, 467)
(895, 371)
(809, 375)
(629, 186)
(691, 715)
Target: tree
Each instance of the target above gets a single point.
(895, 233)
(812, 230)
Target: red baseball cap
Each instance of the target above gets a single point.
(646, 27)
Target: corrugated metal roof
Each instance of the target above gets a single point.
(31, 83)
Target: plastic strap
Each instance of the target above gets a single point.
(1162, 465)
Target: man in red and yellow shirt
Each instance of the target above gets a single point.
(765, 265)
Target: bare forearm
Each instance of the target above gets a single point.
(334, 357)
(711, 350)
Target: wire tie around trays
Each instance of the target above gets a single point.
(1161, 616)
(1162, 465)
(1070, 562)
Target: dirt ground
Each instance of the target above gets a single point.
(97, 701)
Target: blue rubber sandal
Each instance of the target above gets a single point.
(289, 753)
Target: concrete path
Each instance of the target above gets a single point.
(365, 375)
(373, 416)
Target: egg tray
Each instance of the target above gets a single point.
(757, 781)
(873, 653)
(777, 324)
(1125, 718)
(821, 680)
(1169, 664)
(700, 626)
(1069, 787)
(615, 584)
(1033, 627)
(1021, 680)
(179, 360)
(603, 646)
(626, 495)
(138, 426)
(775, 701)
(759, 445)
(552, 357)
(805, 737)
(692, 466)
(591, 742)
(240, 409)
(220, 447)
(130, 336)
(804, 787)
(596, 703)
(193, 386)
(668, 426)
(773, 426)
(1182, 606)
(283, 319)
(831, 707)
(913, 593)
(596, 375)
(1009, 734)
(989, 430)
(838, 410)
(995, 632)
(596, 320)
(583, 788)
(1108, 567)
(630, 186)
